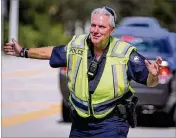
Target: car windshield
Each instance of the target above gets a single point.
(150, 45)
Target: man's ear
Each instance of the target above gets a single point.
(112, 30)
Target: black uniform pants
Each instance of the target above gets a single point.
(111, 126)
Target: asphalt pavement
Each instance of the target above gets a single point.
(31, 102)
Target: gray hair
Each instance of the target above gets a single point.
(107, 11)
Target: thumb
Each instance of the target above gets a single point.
(147, 63)
(14, 41)
(16, 45)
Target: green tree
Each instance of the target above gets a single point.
(163, 10)
(46, 22)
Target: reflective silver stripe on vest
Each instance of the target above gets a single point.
(69, 66)
(126, 88)
(123, 52)
(73, 44)
(115, 80)
(103, 107)
(77, 62)
(82, 105)
(76, 72)
(107, 102)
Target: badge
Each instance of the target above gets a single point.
(136, 59)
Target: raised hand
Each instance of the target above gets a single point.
(154, 68)
(12, 48)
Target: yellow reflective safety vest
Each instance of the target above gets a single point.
(112, 85)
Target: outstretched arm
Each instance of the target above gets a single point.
(14, 49)
(40, 53)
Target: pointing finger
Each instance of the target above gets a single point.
(14, 41)
(159, 60)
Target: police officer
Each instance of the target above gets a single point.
(99, 70)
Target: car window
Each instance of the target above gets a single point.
(151, 45)
(140, 22)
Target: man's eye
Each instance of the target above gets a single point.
(101, 26)
(92, 25)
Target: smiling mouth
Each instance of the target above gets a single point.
(96, 37)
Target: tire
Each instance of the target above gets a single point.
(172, 115)
(65, 113)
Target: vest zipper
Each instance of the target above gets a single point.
(90, 103)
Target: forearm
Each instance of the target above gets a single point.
(40, 53)
(152, 81)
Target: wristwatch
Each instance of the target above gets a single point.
(24, 52)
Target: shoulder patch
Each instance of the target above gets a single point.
(136, 59)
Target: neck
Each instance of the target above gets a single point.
(98, 48)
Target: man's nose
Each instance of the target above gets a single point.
(96, 29)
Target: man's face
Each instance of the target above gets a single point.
(100, 28)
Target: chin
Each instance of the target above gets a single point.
(95, 41)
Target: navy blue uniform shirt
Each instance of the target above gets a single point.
(137, 69)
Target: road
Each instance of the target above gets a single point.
(31, 102)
